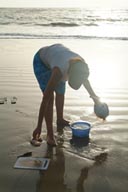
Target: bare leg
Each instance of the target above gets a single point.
(59, 109)
(49, 121)
(59, 106)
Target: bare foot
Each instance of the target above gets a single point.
(51, 141)
(62, 123)
(35, 143)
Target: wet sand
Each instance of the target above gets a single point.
(99, 166)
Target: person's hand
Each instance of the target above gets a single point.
(36, 133)
(96, 99)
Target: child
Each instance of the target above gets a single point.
(53, 66)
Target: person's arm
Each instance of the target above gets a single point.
(55, 78)
(91, 92)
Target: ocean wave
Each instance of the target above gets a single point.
(63, 24)
(31, 36)
(62, 17)
(53, 24)
(5, 23)
(57, 24)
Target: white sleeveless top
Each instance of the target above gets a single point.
(58, 55)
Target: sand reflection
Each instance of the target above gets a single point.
(54, 178)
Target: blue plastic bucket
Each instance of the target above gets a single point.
(80, 129)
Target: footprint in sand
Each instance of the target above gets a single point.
(3, 100)
(13, 100)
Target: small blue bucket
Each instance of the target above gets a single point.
(80, 129)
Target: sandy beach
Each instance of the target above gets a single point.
(72, 168)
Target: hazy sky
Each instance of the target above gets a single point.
(65, 3)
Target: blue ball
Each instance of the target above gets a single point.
(101, 110)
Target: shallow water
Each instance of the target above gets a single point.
(98, 164)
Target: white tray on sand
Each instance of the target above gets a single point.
(34, 163)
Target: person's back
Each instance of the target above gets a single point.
(58, 55)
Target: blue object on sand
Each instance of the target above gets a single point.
(80, 129)
(101, 110)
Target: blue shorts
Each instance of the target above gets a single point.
(43, 74)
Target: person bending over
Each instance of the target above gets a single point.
(53, 66)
